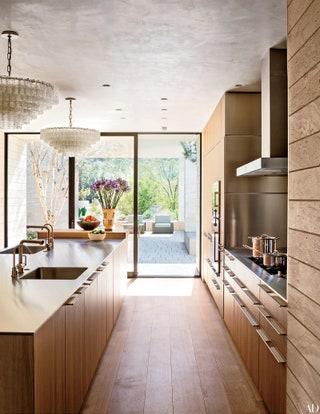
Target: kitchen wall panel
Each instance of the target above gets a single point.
(304, 205)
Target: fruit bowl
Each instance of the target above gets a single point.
(88, 225)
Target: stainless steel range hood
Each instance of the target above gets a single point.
(274, 118)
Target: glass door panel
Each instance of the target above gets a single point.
(168, 205)
(111, 158)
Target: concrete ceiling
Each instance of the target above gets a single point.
(189, 51)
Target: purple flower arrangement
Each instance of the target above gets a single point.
(110, 191)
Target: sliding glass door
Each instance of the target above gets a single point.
(160, 212)
(168, 205)
(112, 158)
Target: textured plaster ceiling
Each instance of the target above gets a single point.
(190, 51)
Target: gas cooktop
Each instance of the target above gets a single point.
(280, 271)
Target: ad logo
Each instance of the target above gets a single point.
(313, 408)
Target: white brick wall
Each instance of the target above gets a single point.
(1, 189)
(17, 188)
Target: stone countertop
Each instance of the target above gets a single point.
(25, 305)
(276, 283)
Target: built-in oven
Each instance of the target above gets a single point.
(215, 227)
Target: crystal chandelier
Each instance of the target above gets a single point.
(22, 99)
(69, 140)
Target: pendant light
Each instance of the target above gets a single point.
(22, 99)
(69, 140)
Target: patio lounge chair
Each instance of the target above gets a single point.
(162, 224)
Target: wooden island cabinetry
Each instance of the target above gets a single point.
(50, 371)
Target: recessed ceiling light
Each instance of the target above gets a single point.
(163, 109)
(106, 85)
(164, 128)
(118, 109)
(164, 99)
(123, 117)
(163, 117)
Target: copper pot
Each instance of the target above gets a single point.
(275, 259)
(263, 244)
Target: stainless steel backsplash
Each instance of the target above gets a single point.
(252, 214)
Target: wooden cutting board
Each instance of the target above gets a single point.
(80, 234)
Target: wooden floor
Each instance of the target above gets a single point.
(171, 353)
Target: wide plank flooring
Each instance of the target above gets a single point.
(171, 353)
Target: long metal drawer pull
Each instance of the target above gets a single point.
(216, 284)
(239, 283)
(274, 351)
(265, 288)
(93, 276)
(249, 317)
(81, 289)
(230, 273)
(238, 300)
(230, 289)
(71, 301)
(275, 325)
(254, 300)
(263, 336)
(245, 311)
(282, 303)
(225, 267)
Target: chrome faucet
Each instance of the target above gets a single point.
(48, 227)
(17, 270)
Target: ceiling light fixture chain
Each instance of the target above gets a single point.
(9, 55)
(22, 99)
(70, 113)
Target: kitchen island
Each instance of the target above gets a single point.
(53, 332)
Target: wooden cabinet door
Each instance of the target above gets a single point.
(120, 277)
(272, 376)
(75, 387)
(50, 365)
(110, 296)
(102, 315)
(92, 341)
(246, 338)
(228, 311)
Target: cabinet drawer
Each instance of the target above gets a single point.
(272, 375)
(216, 289)
(247, 297)
(275, 305)
(273, 330)
(245, 337)
(243, 273)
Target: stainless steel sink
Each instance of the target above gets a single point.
(31, 249)
(55, 273)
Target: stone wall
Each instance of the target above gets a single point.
(303, 385)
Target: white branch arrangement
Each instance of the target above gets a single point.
(50, 172)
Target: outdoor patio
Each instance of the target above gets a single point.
(164, 255)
